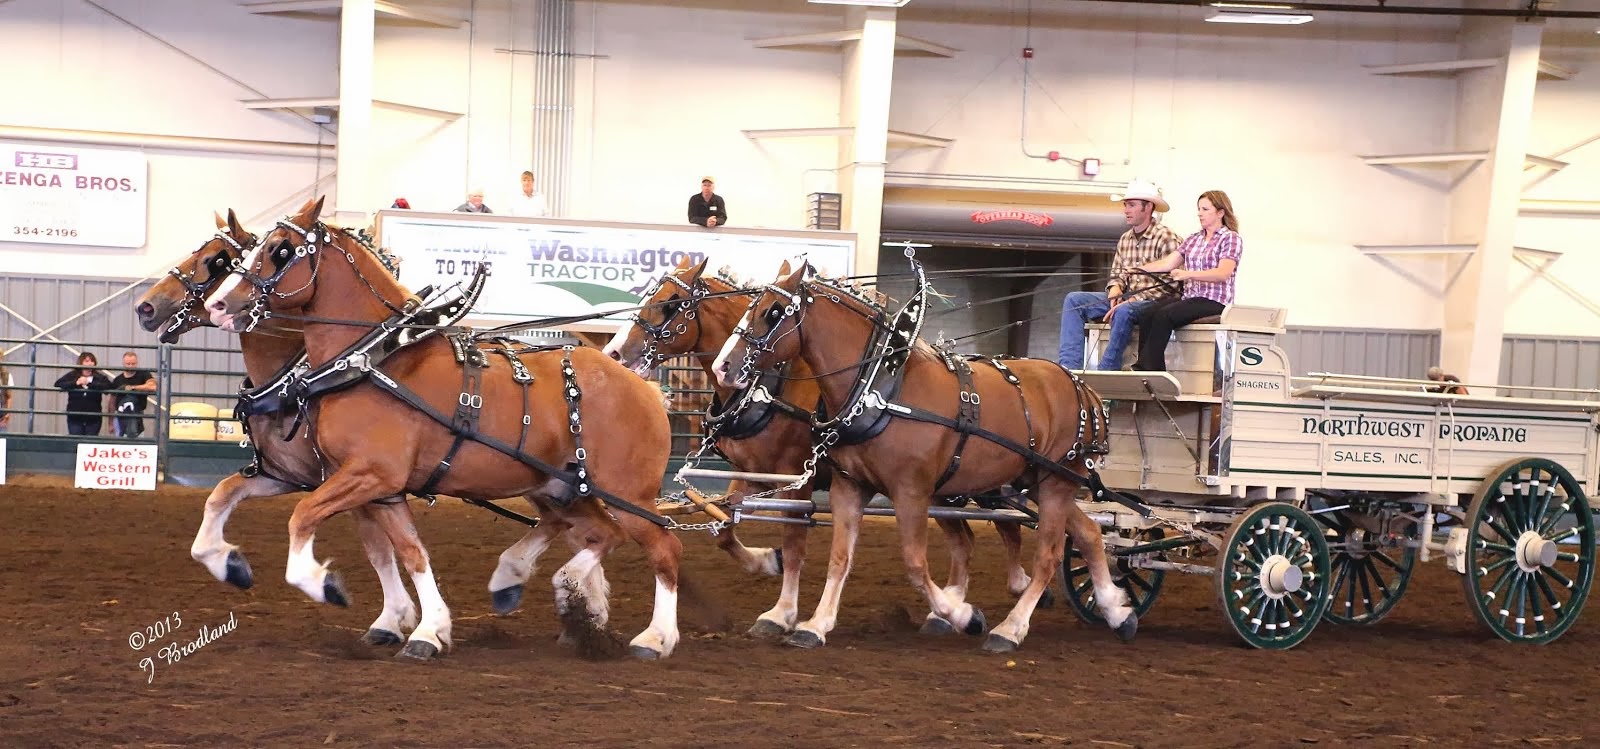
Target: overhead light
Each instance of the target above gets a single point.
(864, 3)
(867, 3)
(1270, 15)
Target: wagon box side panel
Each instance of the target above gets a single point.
(1397, 449)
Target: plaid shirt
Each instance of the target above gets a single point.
(1198, 255)
(1134, 250)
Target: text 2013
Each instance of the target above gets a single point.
(43, 232)
(164, 626)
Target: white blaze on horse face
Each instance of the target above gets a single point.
(727, 377)
(216, 304)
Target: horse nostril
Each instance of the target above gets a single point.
(615, 356)
(146, 309)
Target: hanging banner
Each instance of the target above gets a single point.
(58, 194)
(556, 267)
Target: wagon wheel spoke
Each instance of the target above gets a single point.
(1362, 591)
(1142, 586)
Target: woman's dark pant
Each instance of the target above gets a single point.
(1158, 323)
(87, 426)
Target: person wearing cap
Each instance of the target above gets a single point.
(1128, 292)
(1207, 263)
(401, 203)
(1449, 383)
(706, 207)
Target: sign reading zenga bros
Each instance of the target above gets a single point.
(58, 194)
(558, 268)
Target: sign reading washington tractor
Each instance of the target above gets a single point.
(559, 268)
(58, 194)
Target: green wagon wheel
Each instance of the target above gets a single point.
(1141, 585)
(1272, 575)
(1530, 551)
(1368, 573)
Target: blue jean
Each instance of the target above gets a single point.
(1081, 307)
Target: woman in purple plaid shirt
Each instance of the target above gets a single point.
(1210, 258)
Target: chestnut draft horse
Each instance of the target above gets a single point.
(766, 432)
(903, 413)
(285, 461)
(520, 428)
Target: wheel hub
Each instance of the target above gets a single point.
(1534, 552)
(1280, 577)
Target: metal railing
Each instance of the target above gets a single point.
(211, 377)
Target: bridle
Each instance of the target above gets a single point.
(285, 258)
(196, 293)
(661, 334)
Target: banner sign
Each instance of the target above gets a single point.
(59, 194)
(554, 267)
(103, 466)
(2, 461)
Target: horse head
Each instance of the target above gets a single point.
(768, 334)
(667, 322)
(174, 302)
(279, 274)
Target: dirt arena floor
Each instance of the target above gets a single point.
(80, 571)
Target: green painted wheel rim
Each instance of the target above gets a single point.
(1527, 503)
(1141, 585)
(1261, 545)
(1367, 576)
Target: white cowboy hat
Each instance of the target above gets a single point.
(1139, 189)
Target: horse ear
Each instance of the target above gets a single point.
(700, 268)
(798, 275)
(233, 224)
(315, 210)
(783, 270)
(221, 224)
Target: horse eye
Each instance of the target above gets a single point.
(774, 315)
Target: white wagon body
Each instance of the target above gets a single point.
(1227, 445)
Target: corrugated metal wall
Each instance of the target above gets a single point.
(1361, 351)
(107, 330)
(1543, 361)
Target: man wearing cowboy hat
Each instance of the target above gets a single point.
(1128, 292)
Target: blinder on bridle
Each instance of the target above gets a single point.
(666, 330)
(284, 256)
(217, 267)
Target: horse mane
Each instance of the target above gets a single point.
(726, 275)
(390, 262)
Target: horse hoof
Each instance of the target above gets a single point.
(977, 625)
(937, 626)
(237, 571)
(644, 654)
(767, 628)
(1127, 629)
(418, 650)
(803, 639)
(381, 637)
(333, 590)
(507, 599)
(1047, 600)
(997, 644)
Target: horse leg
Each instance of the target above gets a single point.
(399, 613)
(1017, 578)
(1058, 515)
(432, 634)
(517, 561)
(847, 500)
(665, 553)
(596, 593)
(959, 534)
(754, 561)
(221, 558)
(583, 619)
(352, 486)
(780, 619)
(911, 519)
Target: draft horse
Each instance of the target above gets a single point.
(522, 418)
(902, 415)
(764, 426)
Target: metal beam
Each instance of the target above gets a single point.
(1436, 66)
(1459, 157)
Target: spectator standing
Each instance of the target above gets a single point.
(706, 208)
(129, 407)
(84, 386)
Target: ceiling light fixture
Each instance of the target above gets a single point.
(1258, 13)
(866, 3)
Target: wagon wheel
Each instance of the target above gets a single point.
(1272, 575)
(1141, 585)
(1369, 570)
(1529, 568)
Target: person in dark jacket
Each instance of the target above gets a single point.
(84, 387)
(706, 207)
(129, 407)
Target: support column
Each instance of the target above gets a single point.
(1494, 107)
(353, 198)
(864, 106)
